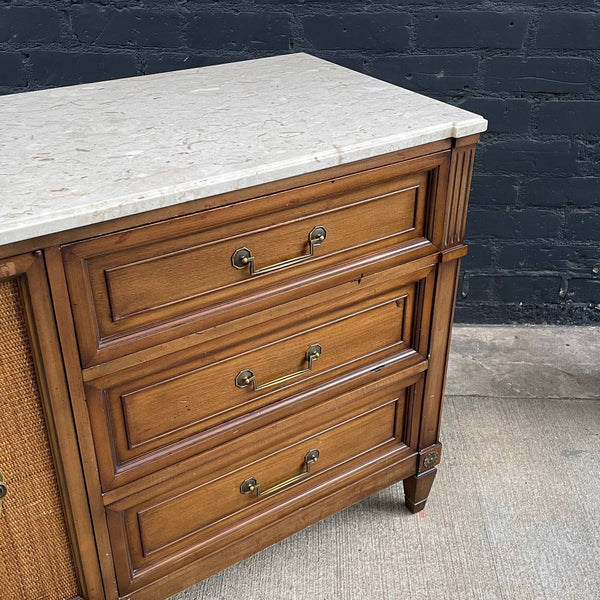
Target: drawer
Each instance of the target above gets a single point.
(167, 526)
(136, 288)
(155, 414)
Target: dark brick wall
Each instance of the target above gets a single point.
(532, 68)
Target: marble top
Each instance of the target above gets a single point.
(78, 155)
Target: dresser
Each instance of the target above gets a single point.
(226, 298)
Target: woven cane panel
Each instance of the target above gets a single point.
(35, 560)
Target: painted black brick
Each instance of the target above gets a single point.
(570, 117)
(534, 226)
(480, 29)
(583, 225)
(514, 288)
(12, 69)
(567, 258)
(493, 189)
(525, 156)
(512, 223)
(479, 256)
(555, 74)
(454, 72)
(136, 27)
(572, 191)
(494, 224)
(569, 30)
(344, 59)
(503, 115)
(159, 62)
(358, 31)
(67, 68)
(29, 24)
(239, 31)
(584, 290)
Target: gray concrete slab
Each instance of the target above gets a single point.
(513, 514)
(525, 362)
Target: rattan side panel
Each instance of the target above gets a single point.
(35, 558)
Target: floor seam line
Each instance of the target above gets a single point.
(521, 397)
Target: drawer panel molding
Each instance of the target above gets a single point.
(153, 528)
(128, 286)
(157, 412)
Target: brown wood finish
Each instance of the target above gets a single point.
(316, 504)
(154, 324)
(64, 322)
(140, 281)
(329, 285)
(446, 288)
(159, 410)
(29, 270)
(131, 286)
(157, 528)
(461, 170)
(416, 490)
(151, 473)
(443, 314)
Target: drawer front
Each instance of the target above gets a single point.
(148, 417)
(135, 288)
(157, 528)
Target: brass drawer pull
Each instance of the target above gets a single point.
(251, 484)
(246, 377)
(3, 491)
(243, 258)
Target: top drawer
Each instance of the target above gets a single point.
(147, 285)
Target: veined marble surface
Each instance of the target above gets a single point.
(89, 153)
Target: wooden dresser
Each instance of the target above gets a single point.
(226, 297)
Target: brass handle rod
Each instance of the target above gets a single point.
(243, 257)
(246, 376)
(251, 484)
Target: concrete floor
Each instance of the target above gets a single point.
(513, 515)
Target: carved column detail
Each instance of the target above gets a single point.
(459, 186)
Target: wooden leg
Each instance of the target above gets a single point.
(416, 490)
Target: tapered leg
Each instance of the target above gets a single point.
(416, 490)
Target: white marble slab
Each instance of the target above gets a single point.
(89, 153)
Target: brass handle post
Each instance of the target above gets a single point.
(251, 484)
(246, 376)
(243, 257)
